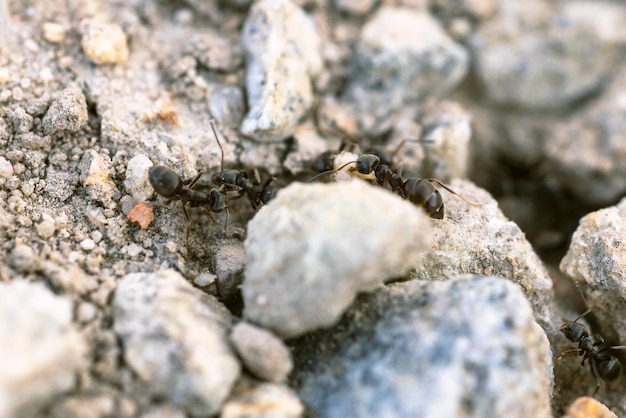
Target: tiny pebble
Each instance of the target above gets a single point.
(204, 279)
(86, 312)
(96, 236)
(87, 244)
(45, 229)
(133, 250)
(53, 32)
(6, 169)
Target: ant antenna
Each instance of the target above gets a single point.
(476, 205)
(315, 177)
(219, 144)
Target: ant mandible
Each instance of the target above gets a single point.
(231, 180)
(602, 363)
(421, 192)
(167, 183)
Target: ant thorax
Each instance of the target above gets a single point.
(344, 165)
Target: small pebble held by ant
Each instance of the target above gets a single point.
(421, 192)
(603, 365)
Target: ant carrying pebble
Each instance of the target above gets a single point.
(602, 363)
(421, 192)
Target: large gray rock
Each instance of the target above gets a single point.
(284, 57)
(175, 339)
(315, 246)
(466, 347)
(483, 241)
(41, 352)
(402, 57)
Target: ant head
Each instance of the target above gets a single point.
(367, 163)
(165, 181)
(609, 368)
(574, 331)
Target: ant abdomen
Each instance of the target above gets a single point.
(421, 192)
(165, 181)
(609, 368)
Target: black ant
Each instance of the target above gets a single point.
(230, 180)
(167, 183)
(601, 362)
(421, 192)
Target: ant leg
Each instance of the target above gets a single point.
(193, 181)
(477, 205)
(568, 352)
(219, 144)
(588, 311)
(599, 340)
(187, 222)
(208, 212)
(568, 378)
(595, 376)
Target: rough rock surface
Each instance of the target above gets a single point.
(469, 347)
(280, 39)
(41, 352)
(175, 340)
(586, 151)
(67, 113)
(596, 262)
(482, 241)
(306, 265)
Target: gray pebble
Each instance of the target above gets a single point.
(23, 259)
(402, 57)
(41, 351)
(530, 59)
(67, 113)
(175, 340)
(266, 400)
(466, 347)
(585, 151)
(87, 244)
(136, 181)
(262, 353)
(284, 57)
(315, 246)
(6, 168)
